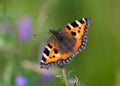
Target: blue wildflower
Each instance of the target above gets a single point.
(45, 78)
(24, 28)
(21, 81)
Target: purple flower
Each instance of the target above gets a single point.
(24, 28)
(73, 81)
(21, 81)
(45, 77)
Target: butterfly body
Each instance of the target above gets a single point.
(65, 43)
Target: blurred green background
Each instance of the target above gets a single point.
(97, 65)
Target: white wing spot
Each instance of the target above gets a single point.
(70, 26)
(48, 48)
(45, 55)
(78, 22)
(42, 61)
(83, 19)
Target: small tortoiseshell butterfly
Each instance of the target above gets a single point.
(65, 43)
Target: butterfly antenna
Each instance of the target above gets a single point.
(40, 34)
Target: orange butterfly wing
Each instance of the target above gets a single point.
(78, 29)
(50, 55)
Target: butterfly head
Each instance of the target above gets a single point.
(57, 34)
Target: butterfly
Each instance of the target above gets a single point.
(65, 43)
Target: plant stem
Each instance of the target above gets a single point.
(64, 75)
